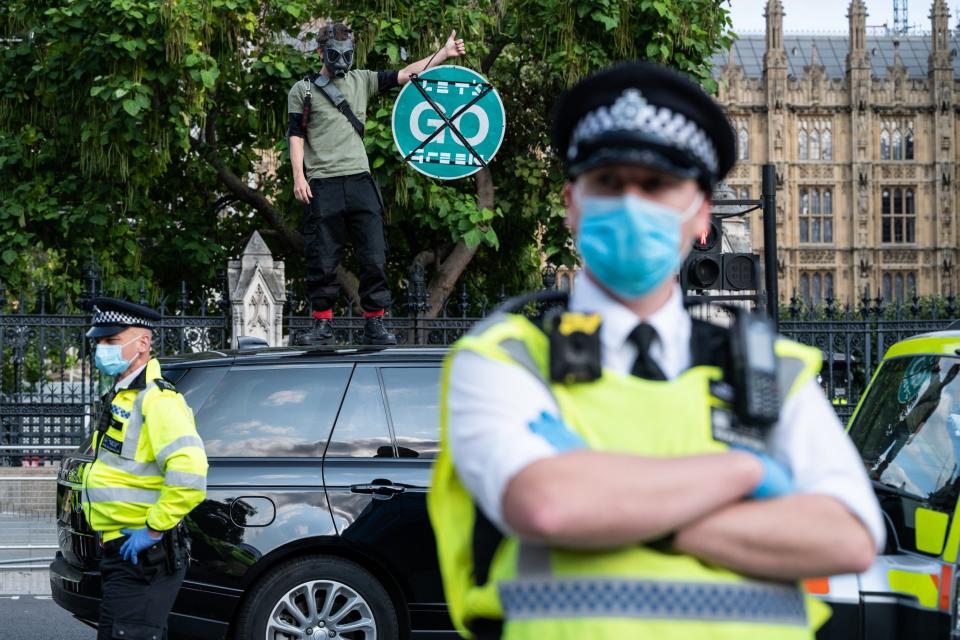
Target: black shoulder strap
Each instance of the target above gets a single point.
(339, 101)
(709, 345)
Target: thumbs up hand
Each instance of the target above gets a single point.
(454, 48)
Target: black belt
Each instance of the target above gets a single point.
(113, 545)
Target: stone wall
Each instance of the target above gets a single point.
(28, 491)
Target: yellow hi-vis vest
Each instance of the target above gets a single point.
(636, 591)
(150, 468)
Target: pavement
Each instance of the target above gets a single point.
(39, 618)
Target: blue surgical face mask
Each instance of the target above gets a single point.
(109, 358)
(630, 244)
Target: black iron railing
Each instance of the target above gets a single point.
(49, 388)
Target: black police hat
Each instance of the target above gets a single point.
(644, 114)
(111, 316)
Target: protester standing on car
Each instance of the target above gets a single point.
(331, 175)
(149, 471)
(586, 487)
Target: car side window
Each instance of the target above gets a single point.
(413, 402)
(272, 411)
(362, 430)
(197, 384)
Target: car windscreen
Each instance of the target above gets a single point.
(908, 428)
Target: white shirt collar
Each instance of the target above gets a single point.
(126, 381)
(671, 351)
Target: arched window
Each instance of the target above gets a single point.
(802, 144)
(828, 285)
(887, 287)
(827, 201)
(827, 144)
(804, 201)
(743, 142)
(911, 284)
(897, 145)
(884, 144)
(814, 145)
(908, 145)
(816, 288)
(910, 219)
(805, 288)
(898, 286)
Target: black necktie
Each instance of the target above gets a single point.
(645, 366)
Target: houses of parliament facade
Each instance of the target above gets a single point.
(862, 129)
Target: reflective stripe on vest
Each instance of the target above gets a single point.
(185, 479)
(131, 436)
(122, 494)
(127, 465)
(176, 445)
(653, 599)
(537, 593)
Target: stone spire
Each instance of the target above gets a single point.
(940, 21)
(857, 16)
(775, 55)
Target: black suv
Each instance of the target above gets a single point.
(315, 522)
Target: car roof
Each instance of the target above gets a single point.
(944, 343)
(306, 355)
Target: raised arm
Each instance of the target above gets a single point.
(452, 49)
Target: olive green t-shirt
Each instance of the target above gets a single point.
(332, 146)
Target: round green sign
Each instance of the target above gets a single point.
(916, 375)
(448, 123)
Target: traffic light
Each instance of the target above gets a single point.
(741, 271)
(704, 265)
(708, 268)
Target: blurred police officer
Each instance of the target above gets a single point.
(331, 175)
(149, 471)
(587, 486)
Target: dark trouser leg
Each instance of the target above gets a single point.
(137, 599)
(364, 223)
(323, 237)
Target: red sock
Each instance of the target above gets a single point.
(372, 314)
(323, 315)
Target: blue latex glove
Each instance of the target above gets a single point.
(137, 540)
(557, 433)
(777, 479)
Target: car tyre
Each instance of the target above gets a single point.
(348, 603)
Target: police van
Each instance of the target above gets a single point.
(907, 430)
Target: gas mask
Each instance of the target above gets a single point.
(338, 53)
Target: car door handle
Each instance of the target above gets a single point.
(378, 489)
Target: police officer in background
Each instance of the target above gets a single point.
(331, 175)
(149, 471)
(594, 480)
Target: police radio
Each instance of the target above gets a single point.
(754, 369)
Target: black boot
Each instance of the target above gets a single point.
(375, 333)
(320, 333)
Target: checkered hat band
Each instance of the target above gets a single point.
(632, 113)
(115, 318)
(651, 599)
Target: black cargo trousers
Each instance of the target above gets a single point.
(345, 208)
(137, 598)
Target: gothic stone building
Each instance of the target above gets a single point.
(862, 130)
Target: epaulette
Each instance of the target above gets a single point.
(165, 385)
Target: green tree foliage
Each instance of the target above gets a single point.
(149, 134)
